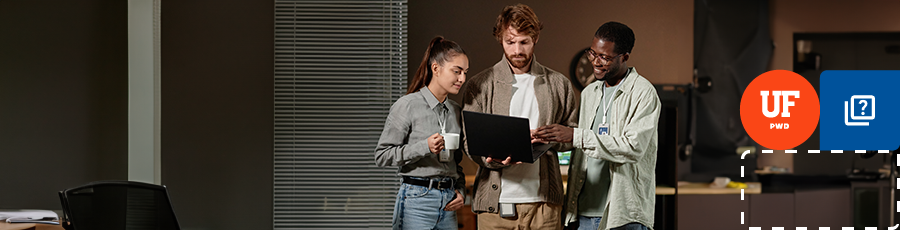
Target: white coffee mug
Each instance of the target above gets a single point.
(451, 141)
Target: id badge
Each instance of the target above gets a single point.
(604, 129)
(445, 155)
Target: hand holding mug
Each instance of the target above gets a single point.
(435, 143)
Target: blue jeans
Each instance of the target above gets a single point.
(593, 223)
(419, 207)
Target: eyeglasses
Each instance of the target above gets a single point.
(594, 56)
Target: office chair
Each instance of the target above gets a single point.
(117, 205)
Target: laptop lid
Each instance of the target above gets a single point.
(500, 136)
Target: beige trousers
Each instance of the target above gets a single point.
(528, 216)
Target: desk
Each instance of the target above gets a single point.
(8, 226)
(703, 188)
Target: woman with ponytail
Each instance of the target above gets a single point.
(413, 140)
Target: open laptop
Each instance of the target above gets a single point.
(499, 136)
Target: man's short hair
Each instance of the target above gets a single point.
(521, 18)
(619, 34)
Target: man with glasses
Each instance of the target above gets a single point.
(510, 195)
(611, 181)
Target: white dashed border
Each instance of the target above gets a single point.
(816, 151)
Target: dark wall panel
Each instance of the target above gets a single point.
(823, 208)
(63, 98)
(712, 212)
(772, 210)
(217, 114)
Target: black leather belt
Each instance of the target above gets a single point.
(433, 183)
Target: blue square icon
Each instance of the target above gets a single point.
(848, 120)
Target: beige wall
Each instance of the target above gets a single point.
(663, 50)
(826, 16)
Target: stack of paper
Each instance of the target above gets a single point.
(30, 216)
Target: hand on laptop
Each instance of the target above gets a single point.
(508, 161)
(554, 132)
(537, 140)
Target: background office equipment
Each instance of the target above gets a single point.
(673, 147)
(117, 205)
(732, 46)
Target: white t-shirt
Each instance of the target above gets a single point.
(521, 183)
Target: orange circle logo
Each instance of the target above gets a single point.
(780, 109)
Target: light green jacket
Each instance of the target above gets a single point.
(629, 149)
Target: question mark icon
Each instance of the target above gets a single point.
(865, 103)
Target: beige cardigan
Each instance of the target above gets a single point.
(490, 91)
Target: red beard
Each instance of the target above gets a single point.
(519, 63)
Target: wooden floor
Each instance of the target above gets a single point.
(466, 218)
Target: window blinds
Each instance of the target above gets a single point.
(339, 65)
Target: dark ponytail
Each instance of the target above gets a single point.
(439, 51)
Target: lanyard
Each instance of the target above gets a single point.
(442, 118)
(610, 102)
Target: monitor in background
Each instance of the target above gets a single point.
(672, 132)
(564, 157)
